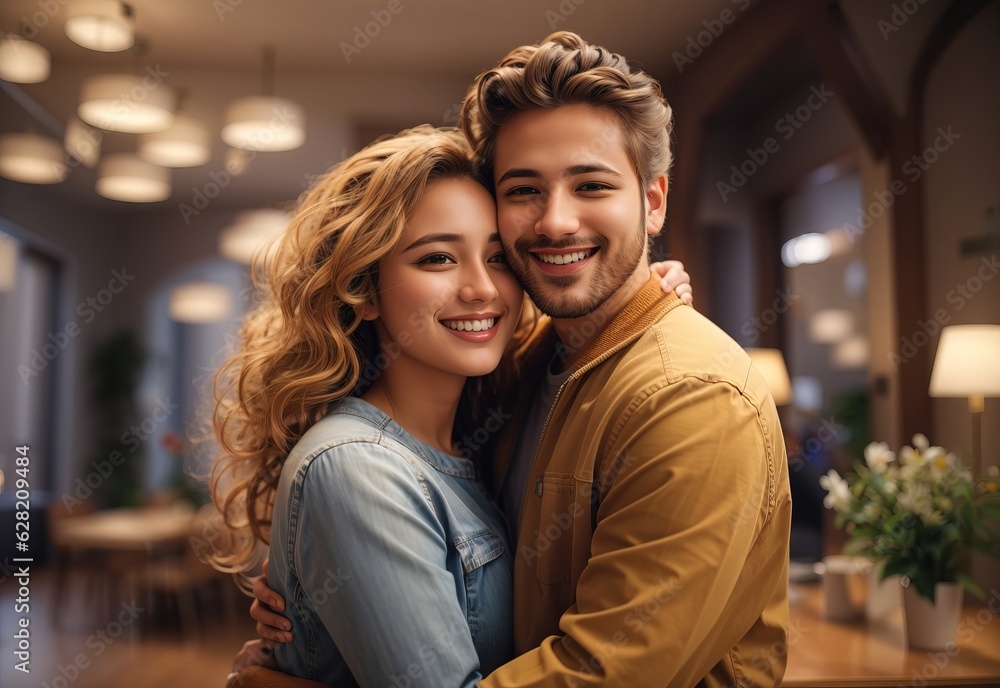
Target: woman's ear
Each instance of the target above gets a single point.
(370, 310)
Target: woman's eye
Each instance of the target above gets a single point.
(500, 258)
(437, 259)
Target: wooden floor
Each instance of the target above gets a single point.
(102, 640)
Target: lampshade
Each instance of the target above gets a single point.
(83, 142)
(184, 144)
(127, 103)
(200, 302)
(771, 365)
(23, 62)
(125, 177)
(32, 159)
(831, 326)
(104, 25)
(251, 232)
(967, 363)
(264, 123)
(853, 352)
(8, 263)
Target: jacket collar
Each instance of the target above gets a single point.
(646, 308)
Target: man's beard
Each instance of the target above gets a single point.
(549, 292)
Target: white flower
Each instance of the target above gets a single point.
(878, 456)
(940, 463)
(871, 510)
(931, 453)
(908, 457)
(916, 499)
(920, 441)
(993, 472)
(839, 496)
(932, 518)
(891, 487)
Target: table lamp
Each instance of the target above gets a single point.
(967, 365)
(771, 365)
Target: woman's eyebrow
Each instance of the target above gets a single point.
(434, 239)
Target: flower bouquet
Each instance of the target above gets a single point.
(919, 516)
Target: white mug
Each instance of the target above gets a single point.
(845, 586)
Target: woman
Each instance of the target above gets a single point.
(376, 344)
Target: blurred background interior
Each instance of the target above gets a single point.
(835, 197)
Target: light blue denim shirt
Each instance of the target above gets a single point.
(394, 564)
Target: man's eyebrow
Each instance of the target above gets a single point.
(518, 172)
(568, 172)
(436, 238)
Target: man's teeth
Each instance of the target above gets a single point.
(562, 258)
(470, 325)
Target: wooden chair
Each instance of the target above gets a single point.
(259, 677)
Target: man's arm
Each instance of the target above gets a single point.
(689, 547)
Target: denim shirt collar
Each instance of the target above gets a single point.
(438, 460)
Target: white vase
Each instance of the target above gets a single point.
(932, 626)
(884, 597)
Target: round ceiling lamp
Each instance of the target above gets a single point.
(126, 177)
(184, 144)
(32, 159)
(104, 25)
(253, 231)
(127, 103)
(23, 62)
(200, 302)
(264, 123)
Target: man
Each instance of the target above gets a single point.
(647, 483)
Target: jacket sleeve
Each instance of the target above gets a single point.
(686, 552)
(370, 555)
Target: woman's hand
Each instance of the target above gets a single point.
(673, 277)
(253, 653)
(271, 625)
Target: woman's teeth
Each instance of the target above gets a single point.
(470, 325)
(562, 258)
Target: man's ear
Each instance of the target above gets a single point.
(656, 204)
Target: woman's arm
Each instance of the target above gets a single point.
(370, 555)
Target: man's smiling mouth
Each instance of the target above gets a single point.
(565, 258)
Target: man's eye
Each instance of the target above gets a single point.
(437, 259)
(595, 186)
(521, 191)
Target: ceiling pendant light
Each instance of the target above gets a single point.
(32, 159)
(127, 103)
(253, 232)
(184, 144)
(264, 123)
(23, 62)
(126, 177)
(104, 25)
(200, 302)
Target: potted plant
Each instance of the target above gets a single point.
(920, 517)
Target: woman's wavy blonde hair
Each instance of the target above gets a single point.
(305, 345)
(564, 69)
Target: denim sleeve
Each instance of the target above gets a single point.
(374, 570)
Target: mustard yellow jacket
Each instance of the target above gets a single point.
(653, 544)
